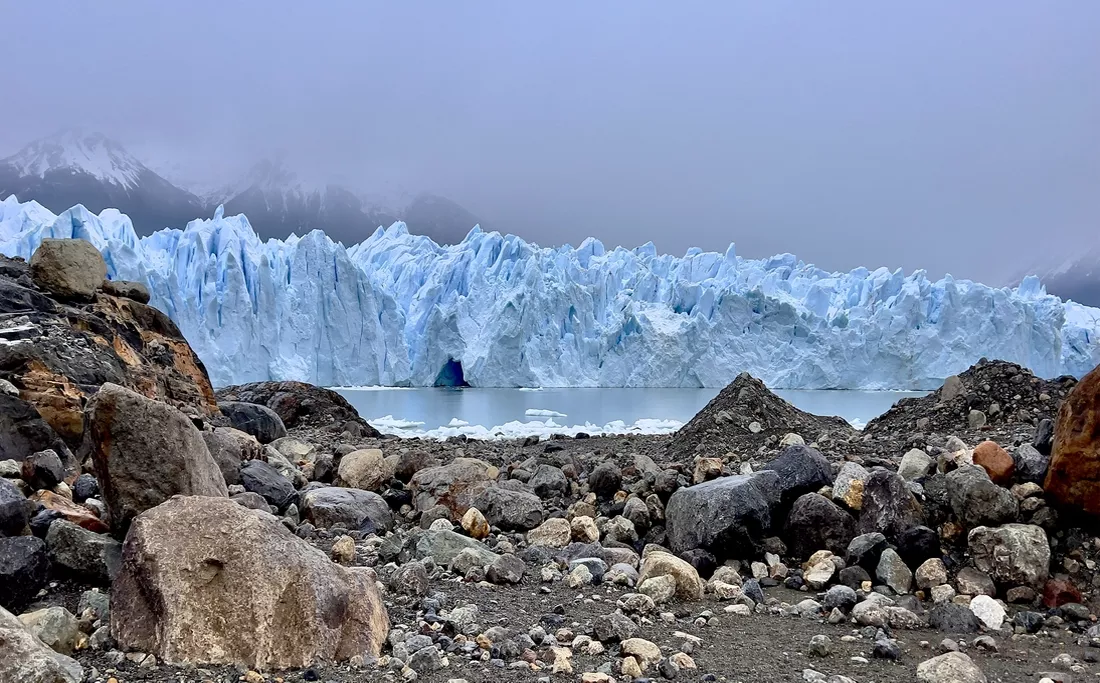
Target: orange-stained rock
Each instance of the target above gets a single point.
(77, 514)
(996, 461)
(74, 350)
(1058, 592)
(1073, 480)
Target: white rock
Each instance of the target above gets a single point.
(989, 611)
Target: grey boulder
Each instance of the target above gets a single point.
(889, 507)
(354, 508)
(261, 478)
(729, 516)
(510, 510)
(977, 501)
(83, 553)
(801, 470)
(252, 418)
(24, 570)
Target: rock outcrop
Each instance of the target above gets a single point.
(298, 404)
(145, 452)
(205, 580)
(58, 351)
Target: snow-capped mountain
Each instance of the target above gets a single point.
(74, 167)
(280, 202)
(1076, 277)
(494, 310)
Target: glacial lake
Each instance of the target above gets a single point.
(511, 413)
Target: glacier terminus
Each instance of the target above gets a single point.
(497, 311)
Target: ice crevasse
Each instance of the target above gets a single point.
(495, 310)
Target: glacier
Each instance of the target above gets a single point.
(496, 311)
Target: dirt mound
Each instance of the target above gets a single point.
(1006, 395)
(743, 415)
(297, 403)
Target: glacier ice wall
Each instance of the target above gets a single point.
(397, 309)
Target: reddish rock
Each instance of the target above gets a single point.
(1058, 592)
(1073, 481)
(77, 514)
(996, 461)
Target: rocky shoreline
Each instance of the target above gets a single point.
(268, 533)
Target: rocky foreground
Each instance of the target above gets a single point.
(152, 531)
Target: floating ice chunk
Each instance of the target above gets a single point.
(389, 422)
(540, 412)
(523, 430)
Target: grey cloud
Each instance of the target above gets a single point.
(960, 137)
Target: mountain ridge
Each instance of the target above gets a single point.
(88, 168)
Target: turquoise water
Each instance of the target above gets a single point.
(426, 409)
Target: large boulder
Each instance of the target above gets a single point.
(817, 523)
(509, 509)
(252, 418)
(453, 485)
(354, 508)
(728, 516)
(191, 561)
(1013, 555)
(144, 453)
(14, 510)
(68, 269)
(26, 659)
(24, 570)
(801, 470)
(261, 478)
(1073, 480)
(889, 507)
(83, 553)
(977, 501)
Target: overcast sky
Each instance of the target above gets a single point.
(953, 136)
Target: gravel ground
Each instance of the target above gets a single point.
(739, 649)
